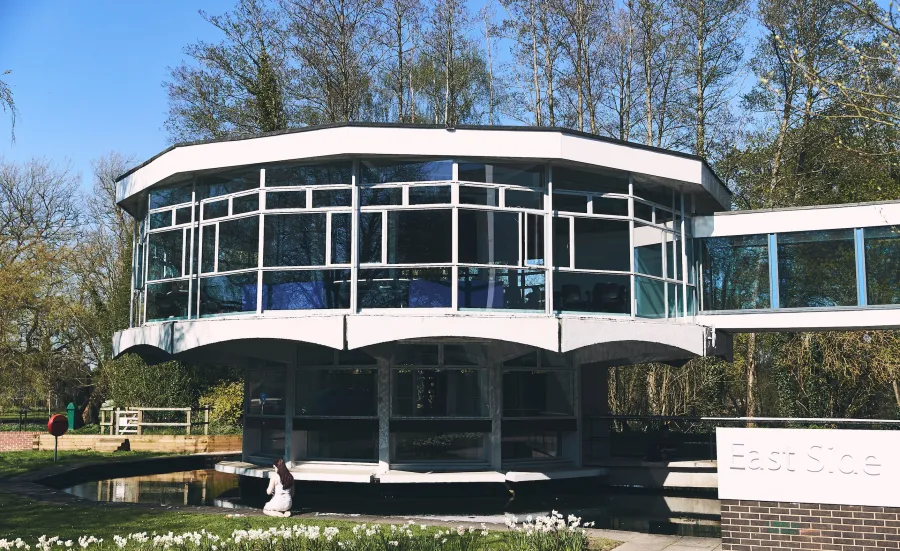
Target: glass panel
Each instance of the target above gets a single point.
(167, 300)
(561, 253)
(817, 269)
(883, 265)
(266, 391)
(405, 288)
(673, 261)
(166, 197)
(511, 174)
(648, 250)
(602, 244)
(286, 199)
(355, 357)
(160, 219)
(656, 193)
(183, 215)
(239, 244)
(538, 393)
(420, 236)
(381, 196)
(533, 239)
(583, 292)
(439, 393)
(672, 300)
(331, 198)
(664, 217)
(341, 237)
(437, 445)
(306, 290)
(265, 436)
(245, 203)
(692, 301)
(735, 272)
(208, 253)
(321, 174)
(499, 289)
(370, 228)
(471, 195)
(610, 205)
(488, 237)
(579, 180)
(215, 209)
(526, 360)
(165, 254)
(643, 211)
(380, 172)
(228, 294)
(337, 392)
(343, 443)
(464, 355)
(294, 240)
(214, 186)
(570, 203)
(426, 195)
(531, 444)
(651, 297)
(416, 354)
(516, 198)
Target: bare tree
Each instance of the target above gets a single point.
(7, 103)
(618, 61)
(450, 22)
(400, 19)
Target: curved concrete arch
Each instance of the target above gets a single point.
(538, 331)
(607, 340)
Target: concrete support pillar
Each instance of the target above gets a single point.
(289, 407)
(594, 393)
(495, 403)
(384, 416)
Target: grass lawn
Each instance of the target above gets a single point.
(16, 463)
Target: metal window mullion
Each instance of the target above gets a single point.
(216, 251)
(684, 262)
(859, 241)
(146, 255)
(354, 235)
(454, 257)
(774, 299)
(259, 263)
(548, 244)
(134, 256)
(571, 241)
(328, 223)
(384, 236)
(194, 229)
(631, 277)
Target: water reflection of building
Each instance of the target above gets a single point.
(415, 304)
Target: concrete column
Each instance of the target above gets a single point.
(495, 404)
(289, 406)
(384, 416)
(594, 393)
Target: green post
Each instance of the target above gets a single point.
(70, 413)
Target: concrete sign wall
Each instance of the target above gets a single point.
(847, 467)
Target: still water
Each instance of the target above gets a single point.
(610, 508)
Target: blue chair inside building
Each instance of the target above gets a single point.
(429, 294)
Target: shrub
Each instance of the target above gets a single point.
(227, 403)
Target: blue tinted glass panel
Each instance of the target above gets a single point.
(510, 174)
(167, 197)
(817, 269)
(340, 237)
(488, 237)
(245, 203)
(167, 300)
(331, 198)
(215, 209)
(223, 184)
(378, 196)
(165, 251)
(405, 288)
(499, 289)
(420, 236)
(228, 294)
(735, 272)
(160, 219)
(370, 230)
(306, 290)
(585, 292)
(286, 199)
(651, 297)
(337, 392)
(883, 265)
(472, 195)
(294, 240)
(322, 174)
(238, 244)
(378, 172)
(183, 215)
(427, 195)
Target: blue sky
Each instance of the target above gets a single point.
(87, 75)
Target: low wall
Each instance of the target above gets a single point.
(18, 441)
(145, 443)
(763, 525)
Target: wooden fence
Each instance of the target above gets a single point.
(131, 420)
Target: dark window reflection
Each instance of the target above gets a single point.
(438, 445)
(516, 198)
(334, 173)
(533, 239)
(650, 297)
(160, 219)
(643, 211)
(286, 199)
(538, 393)
(570, 203)
(306, 289)
(337, 392)
(439, 392)
(735, 272)
(239, 244)
(610, 205)
(208, 251)
(488, 237)
(603, 244)
(245, 203)
(345, 443)
(585, 292)
(166, 197)
(426, 195)
(471, 195)
(385, 172)
(266, 391)
(419, 237)
(370, 231)
(562, 254)
(656, 193)
(379, 196)
(223, 184)
(816, 269)
(228, 294)
(648, 250)
(510, 174)
(215, 209)
(416, 355)
(331, 198)
(501, 289)
(167, 300)
(883, 265)
(340, 237)
(580, 180)
(294, 240)
(183, 215)
(164, 254)
(525, 443)
(405, 288)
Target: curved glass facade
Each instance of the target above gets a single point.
(448, 235)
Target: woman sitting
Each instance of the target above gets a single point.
(281, 487)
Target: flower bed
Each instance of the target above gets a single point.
(550, 533)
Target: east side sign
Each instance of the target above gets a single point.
(847, 467)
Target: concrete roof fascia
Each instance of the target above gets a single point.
(369, 139)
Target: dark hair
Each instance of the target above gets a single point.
(287, 481)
